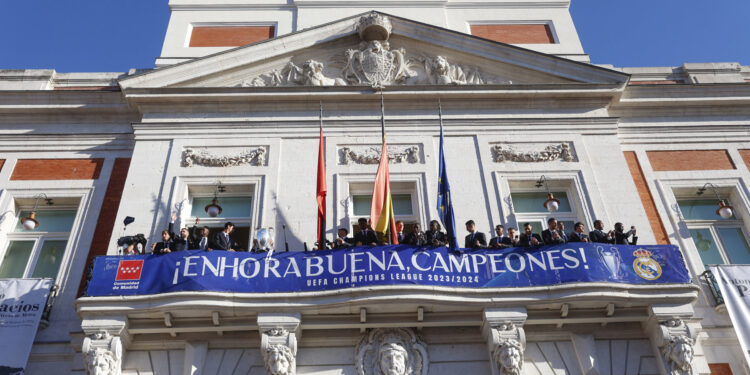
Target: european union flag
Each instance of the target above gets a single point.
(444, 202)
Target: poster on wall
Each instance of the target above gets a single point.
(22, 303)
(734, 283)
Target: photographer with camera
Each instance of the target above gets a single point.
(416, 237)
(132, 245)
(621, 237)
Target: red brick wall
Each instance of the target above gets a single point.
(744, 153)
(690, 160)
(515, 33)
(107, 214)
(720, 369)
(57, 169)
(229, 36)
(646, 198)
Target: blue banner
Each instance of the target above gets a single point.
(223, 271)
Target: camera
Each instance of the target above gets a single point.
(138, 240)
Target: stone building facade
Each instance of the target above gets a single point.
(234, 103)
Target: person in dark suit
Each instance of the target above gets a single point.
(434, 236)
(200, 236)
(621, 237)
(181, 242)
(365, 236)
(529, 238)
(400, 231)
(500, 241)
(342, 241)
(223, 240)
(577, 235)
(561, 230)
(551, 236)
(415, 237)
(598, 235)
(164, 246)
(474, 240)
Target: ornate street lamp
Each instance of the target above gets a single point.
(213, 209)
(552, 204)
(725, 210)
(30, 222)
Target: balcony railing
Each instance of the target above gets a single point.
(713, 285)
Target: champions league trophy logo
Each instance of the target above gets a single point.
(612, 260)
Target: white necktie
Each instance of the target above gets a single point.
(203, 243)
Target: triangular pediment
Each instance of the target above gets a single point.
(374, 49)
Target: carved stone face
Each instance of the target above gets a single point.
(681, 354)
(510, 358)
(100, 362)
(279, 361)
(393, 360)
(441, 64)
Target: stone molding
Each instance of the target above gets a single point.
(202, 157)
(370, 154)
(531, 152)
(278, 342)
(506, 339)
(391, 351)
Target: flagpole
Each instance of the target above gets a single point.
(321, 190)
(382, 116)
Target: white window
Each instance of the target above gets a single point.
(403, 196)
(528, 205)
(236, 203)
(38, 252)
(718, 240)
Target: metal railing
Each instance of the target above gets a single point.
(713, 285)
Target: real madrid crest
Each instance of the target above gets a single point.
(645, 266)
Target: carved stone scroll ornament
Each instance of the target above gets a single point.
(391, 351)
(371, 155)
(102, 354)
(192, 157)
(562, 151)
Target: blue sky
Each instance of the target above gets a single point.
(116, 35)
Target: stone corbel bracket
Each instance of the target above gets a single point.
(506, 339)
(675, 340)
(102, 348)
(278, 342)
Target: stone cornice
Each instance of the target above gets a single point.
(440, 298)
(468, 126)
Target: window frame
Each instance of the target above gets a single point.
(10, 208)
(713, 226)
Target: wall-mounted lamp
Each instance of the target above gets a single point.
(30, 222)
(725, 210)
(552, 204)
(213, 209)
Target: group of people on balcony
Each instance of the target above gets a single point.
(553, 235)
(198, 238)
